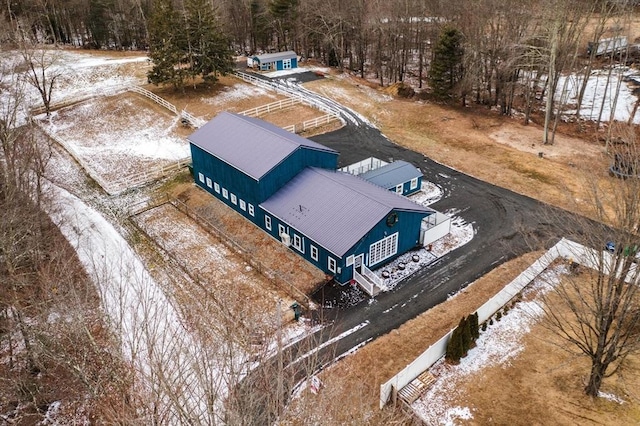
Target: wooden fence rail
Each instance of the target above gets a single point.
(274, 277)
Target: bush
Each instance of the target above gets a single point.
(484, 326)
(498, 316)
(491, 321)
(475, 329)
(405, 91)
(454, 347)
(465, 326)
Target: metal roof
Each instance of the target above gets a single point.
(334, 209)
(272, 57)
(390, 175)
(249, 144)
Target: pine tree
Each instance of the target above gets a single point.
(166, 44)
(454, 346)
(446, 68)
(464, 325)
(475, 327)
(207, 49)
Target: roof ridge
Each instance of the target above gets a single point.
(279, 136)
(400, 197)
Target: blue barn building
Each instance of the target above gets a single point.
(399, 176)
(288, 186)
(276, 61)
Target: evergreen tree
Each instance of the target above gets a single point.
(465, 328)
(475, 327)
(207, 49)
(284, 14)
(166, 44)
(446, 68)
(454, 346)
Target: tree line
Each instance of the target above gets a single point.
(507, 51)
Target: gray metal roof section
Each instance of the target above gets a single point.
(392, 174)
(272, 57)
(334, 209)
(249, 144)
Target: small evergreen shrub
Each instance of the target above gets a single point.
(498, 316)
(484, 326)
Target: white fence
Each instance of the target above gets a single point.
(364, 283)
(331, 113)
(564, 248)
(273, 106)
(157, 99)
(364, 166)
(434, 227)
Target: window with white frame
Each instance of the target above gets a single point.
(251, 212)
(297, 243)
(399, 189)
(216, 187)
(281, 229)
(243, 205)
(383, 249)
(209, 182)
(286, 64)
(225, 193)
(332, 264)
(349, 261)
(414, 183)
(267, 222)
(201, 177)
(314, 252)
(234, 199)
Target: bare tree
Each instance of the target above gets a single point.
(598, 311)
(42, 71)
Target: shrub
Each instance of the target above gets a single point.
(467, 339)
(454, 347)
(498, 316)
(484, 326)
(491, 321)
(475, 329)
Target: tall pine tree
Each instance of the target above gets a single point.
(208, 52)
(166, 45)
(446, 68)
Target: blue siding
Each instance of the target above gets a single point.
(406, 187)
(273, 181)
(225, 175)
(258, 191)
(407, 227)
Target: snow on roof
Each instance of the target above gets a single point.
(272, 57)
(334, 209)
(390, 175)
(251, 145)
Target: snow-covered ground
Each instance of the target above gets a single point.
(238, 92)
(297, 70)
(600, 100)
(497, 345)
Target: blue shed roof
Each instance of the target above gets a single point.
(250, 145)
(392, 174)
(334, 209)
(277, 56)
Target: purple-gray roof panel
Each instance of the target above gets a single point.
(393, 174)
(334, 209)
(251, 145)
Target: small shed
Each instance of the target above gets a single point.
(275, 61)
(401, 177)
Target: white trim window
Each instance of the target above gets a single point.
(399, 189)
(234, 199)
(216, 187)
(297, 243)
(314, 252)
(201, 177)
(349, 261)
(414, 183)
(243, 205)
(251, 211)
(383, 249)
(286, 64)
(331, 263)
(225, 193)
(267, 222)
(209, 184)
(281, 229)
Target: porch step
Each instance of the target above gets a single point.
(417, 387)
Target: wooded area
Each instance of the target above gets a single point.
(506, 49)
